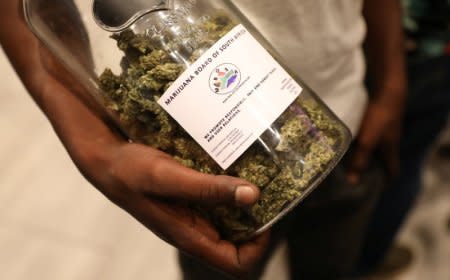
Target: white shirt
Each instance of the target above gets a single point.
(321, 40)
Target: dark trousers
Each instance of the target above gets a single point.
(324, 233)
(426, 115)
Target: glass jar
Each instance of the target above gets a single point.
(196, 80)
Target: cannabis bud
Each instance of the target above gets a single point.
(282, 168)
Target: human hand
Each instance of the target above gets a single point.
(145, 182)
(386, 69)
(153, 188)
(381, 129)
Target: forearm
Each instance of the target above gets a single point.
(385, 51)
(21, 47)
(381, 125)
(57, 101)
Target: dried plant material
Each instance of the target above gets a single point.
(306, 144)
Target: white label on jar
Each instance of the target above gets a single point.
(228, 97)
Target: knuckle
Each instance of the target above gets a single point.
(217, 189)
(156, 169)
(209, 193)
(134, 172)
(154, 175)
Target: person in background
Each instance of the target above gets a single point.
(427, 27)
(323, 42)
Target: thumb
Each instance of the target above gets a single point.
(168, 179)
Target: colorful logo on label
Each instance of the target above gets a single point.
(224, 78)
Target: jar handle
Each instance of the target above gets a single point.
(117, 15)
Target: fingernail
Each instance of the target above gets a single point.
(245, 195)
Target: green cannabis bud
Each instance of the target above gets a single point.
(307, 134)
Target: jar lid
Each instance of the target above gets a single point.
(116, 15)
